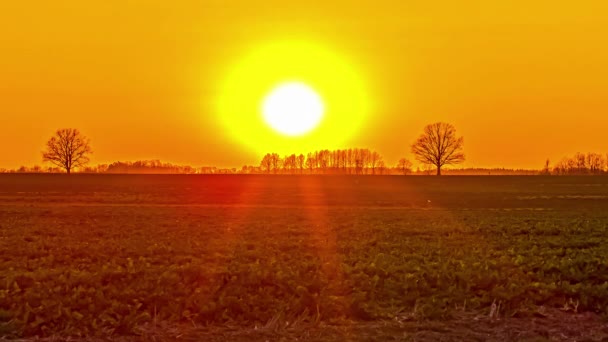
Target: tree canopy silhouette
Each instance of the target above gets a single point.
(439, 146)
(68, 149)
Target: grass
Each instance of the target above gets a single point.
(120, 255)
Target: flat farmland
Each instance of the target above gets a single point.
(241, 257)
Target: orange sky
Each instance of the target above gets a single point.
(521, 82)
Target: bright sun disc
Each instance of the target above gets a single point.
(292, 96)
(293, 109)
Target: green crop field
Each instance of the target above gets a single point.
(308, 257)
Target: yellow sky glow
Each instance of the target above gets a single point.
(267, 66)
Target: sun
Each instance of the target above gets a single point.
(291, 97)
(293, 109)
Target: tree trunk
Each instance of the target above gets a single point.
(67, 170)
(438, 170)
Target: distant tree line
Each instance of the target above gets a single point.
(425, 170)
(146, 166)
(341, 161)
(136, 167)
(579, 164)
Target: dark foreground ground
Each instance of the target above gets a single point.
(310, 258)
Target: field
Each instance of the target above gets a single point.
(308, 257)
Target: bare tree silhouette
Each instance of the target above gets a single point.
(310, 162)
(323, 160)
(375, 159)
(276, 162)
(271, 162)
(266, 163)
(300, 160)
(439, 146)
(290, 164)
(68, 149)
(595, 163)
(404, 166)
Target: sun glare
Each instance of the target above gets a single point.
(293, 109)
(292, 96)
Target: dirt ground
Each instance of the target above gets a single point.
(542, 325)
